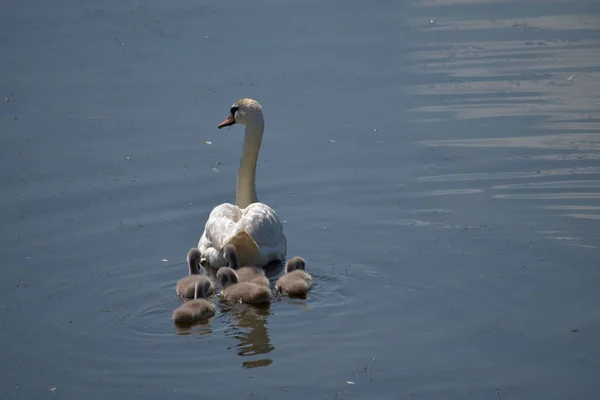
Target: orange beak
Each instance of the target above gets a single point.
(228, 122)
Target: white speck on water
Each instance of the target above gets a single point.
(375, 130)
(350, 383)
(164, 260)
(331, 141)
(570, 78)
(207, 142)
(215, 169)
(128, 158)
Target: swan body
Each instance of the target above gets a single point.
(185, 286)
(246, 273)
(198, 309)
(295, 282)
(259, 280)
(252, 227)
(242, 292)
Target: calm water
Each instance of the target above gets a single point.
(435, 162)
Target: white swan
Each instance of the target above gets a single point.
(252, 227)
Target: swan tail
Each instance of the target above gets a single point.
(248, 251)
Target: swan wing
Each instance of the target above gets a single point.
(222, 223)
(256, 232)
(262, 223)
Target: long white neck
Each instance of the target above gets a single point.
(246, 183)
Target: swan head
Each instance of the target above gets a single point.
(227, 276)
(230, 254)
(295, 263)
(193, 259)
(201, 289)
(244, 111)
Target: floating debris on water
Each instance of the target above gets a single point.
(207, 142)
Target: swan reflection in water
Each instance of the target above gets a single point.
(248, 322)
(193, 329)
(249, 328)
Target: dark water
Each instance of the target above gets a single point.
(436, 163)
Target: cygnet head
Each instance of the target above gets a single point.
(244, 111)
(295, 263)
(230, 254)
(193, 259)
(201, 289)
(227, 276)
